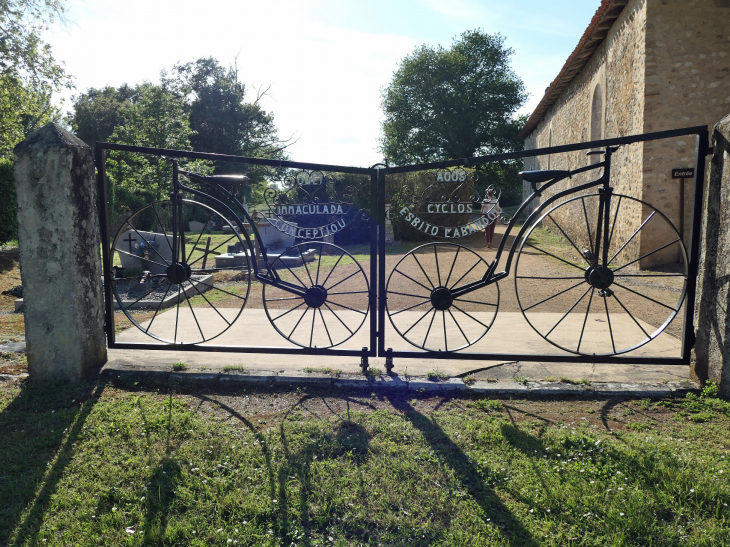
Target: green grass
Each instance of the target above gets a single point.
(179, 366)
(323, 370)
(234, 368)
(90, 464)
(436, 376)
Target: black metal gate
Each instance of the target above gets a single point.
(599, 272)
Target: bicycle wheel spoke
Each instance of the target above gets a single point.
(304, 262)
(632, 237)
(194, 316)
(338, 318)
(588, 309)
(647, 254)
(630, 315)
(153, 289)
(288, 311)
(446, 340)
(410, 307)
(549, 278)
(553, 296)
(159, 306)
(211, 305)
(471, 316)
(324, 283)
(215, 249)
(319, 263)
(219, 289)
(348, 307)
(567, 312)
(550, 254)
(343, 280)
(325, 326)
(467, 273)
(147, 241)
(588, 226)
(424, 273)
(139, 258)
(615, 216)
(608, 318)
(458, 326)
(177, 313)
(429, 328)
(647, 275)
(580, 253)
(419, 320)
(416, 282)
(301, 283)
(348, 292)
(475, 302)
(159, 223)
(285, 298)
(436, 257)
(300, 320)
(190, 254)
(311, 334)
(446, 284)
(643, 295)
(407, 294)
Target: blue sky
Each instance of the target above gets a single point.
(324, 60)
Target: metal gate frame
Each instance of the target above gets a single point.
(377, 292)
(688, 335)
(109, 326)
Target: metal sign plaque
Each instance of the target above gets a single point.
(683, 173)
(310, 205)
(449, 206)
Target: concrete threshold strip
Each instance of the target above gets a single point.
(409, 383)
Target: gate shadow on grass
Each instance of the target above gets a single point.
(32, 463)
(467, 473)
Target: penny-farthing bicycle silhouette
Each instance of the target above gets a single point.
(315, 294)
(584, 303)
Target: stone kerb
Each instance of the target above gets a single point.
(58, 232)
(711, 359)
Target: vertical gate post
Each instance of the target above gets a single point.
(58, 232)
(711, 359)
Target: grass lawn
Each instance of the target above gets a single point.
(126, 464)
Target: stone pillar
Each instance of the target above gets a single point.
(711, 359)
(58, 233)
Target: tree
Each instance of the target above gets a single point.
(452, 103)
(29, 74)
(98, 112)
(156, 117)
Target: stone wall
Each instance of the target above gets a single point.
(711, 359)
(617, 67)
(687, 84)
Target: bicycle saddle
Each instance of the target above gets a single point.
(542, 176)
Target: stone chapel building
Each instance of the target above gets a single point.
(640, 66)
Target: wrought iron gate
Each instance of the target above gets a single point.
(614, 273)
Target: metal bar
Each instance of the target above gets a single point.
(381, 262)
(239, 349)
(103, 200)
(373, 296)
(232, 159)
(688, 339)
(696, 130)
(566, 358)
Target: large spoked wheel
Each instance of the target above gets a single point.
(421, 303)
(335, 302)
(185, 299)
(586, 306)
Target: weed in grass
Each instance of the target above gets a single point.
(469, 379)
(571, 381)
(552, 379)
(487, 405)
(629, 412)
(323, 370)
(179, 367)
(373, 371)
(234, 368)
(521, 380)
(436, 376)
(637, 426)
(644, 404)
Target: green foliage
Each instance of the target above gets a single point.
(436, 375)
(178, 367)
(8, 205)
(29, 74)
(98, 112)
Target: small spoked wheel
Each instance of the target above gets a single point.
(424, 308)
(334, 299)
(175, 293)
(588, 304)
